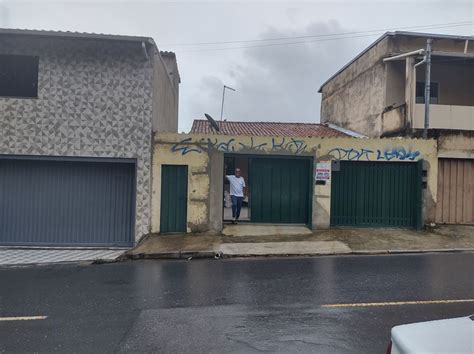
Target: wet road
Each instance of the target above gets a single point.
(236, 305)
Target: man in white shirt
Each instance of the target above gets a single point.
(237, 185)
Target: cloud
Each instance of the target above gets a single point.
(4, 15)
(279, 83)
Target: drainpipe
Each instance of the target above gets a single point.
(427, 87)
(404, 55)
(427, 60)
(145, 52)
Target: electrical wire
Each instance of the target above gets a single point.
(371, 32)
(299, 42)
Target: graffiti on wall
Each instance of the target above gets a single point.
(389, 154)
(397, 153)
(295, 147)
(253, 146)
(185, 147)
(291, 146)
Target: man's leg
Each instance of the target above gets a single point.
(238, 207)
(233, 198)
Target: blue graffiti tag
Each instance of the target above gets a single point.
(226, 146)
(178, 147)
(293, 146)
(352, 154)
(296, 146)
(388, 154)
(252, 146)
(397, 153)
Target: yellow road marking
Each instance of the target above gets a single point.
(397, 303)
(23, 318)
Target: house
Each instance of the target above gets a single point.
(380, 93)
(77, 117)
(309, 175)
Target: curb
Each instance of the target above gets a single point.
(174, 255)
(219, 254)
(408, 251)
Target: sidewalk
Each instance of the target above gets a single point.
(323, 242)
(17, 256)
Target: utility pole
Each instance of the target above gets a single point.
(427, 87)
(223, 96)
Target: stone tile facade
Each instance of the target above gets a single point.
(94, 100)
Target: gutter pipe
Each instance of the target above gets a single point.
(404, 55)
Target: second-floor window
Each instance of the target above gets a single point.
(420, 92)
(18, 76)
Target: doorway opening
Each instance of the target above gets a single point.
(278, 188)
(231, 163)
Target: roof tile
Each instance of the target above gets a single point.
(202, 126)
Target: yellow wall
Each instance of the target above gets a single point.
(198, 184)
(192, 150)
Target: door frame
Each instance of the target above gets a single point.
(311, 168)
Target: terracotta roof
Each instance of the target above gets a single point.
(201, 126)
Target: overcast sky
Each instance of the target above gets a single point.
(274, 83)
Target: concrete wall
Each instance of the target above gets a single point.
(165, 93)
(94, 100)
(355, 98)
(456, 144)
(394, 120)
(395, 84)
(358, 97)
(197, 151)
(445, 117)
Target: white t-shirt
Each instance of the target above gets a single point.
(237, 185)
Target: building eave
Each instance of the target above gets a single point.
(397, 33)
(76, 35)
(386, 34)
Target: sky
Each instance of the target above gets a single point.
(275, 80)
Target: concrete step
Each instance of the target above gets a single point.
(245, 229)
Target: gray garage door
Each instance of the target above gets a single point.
(75, 202)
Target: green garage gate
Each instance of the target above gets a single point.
(280, 190)
(376, 194)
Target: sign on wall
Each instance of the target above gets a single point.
(323, 172)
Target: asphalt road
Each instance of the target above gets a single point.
(234, 305)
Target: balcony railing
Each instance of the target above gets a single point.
(445, 117)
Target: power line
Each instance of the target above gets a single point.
(432, 26)
(302, 42)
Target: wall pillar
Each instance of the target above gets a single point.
(216, 188)
(321, 199)
(410, 91)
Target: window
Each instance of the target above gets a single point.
(420, 92)
(18, 76)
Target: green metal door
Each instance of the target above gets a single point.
(280, 189)
(174, 195)
(376, 194)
